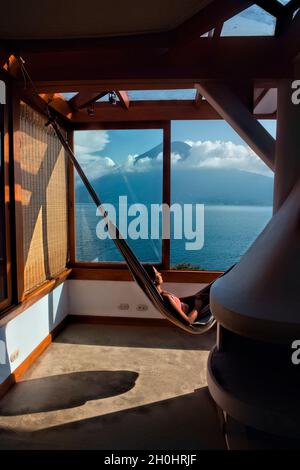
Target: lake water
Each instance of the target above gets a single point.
(228, 233)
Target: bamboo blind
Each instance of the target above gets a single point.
(44, 199)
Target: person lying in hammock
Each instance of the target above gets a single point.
(189, 308)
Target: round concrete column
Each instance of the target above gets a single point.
(287, 156)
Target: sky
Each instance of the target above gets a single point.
(214, 144)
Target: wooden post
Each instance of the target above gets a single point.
(166, 191)
(287, 161)
(71, 203)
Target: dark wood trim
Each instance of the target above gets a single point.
(71, 202)
(272, 7)
(166, 192)
(33, 297)
(33, 356)
(4, 149)
(146, 110)
(116, 125)
(207, 18)
(123, 274)
(119, 321)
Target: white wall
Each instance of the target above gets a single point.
(27, 330)
(105, 297)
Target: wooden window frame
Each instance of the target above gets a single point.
(166, 196)
(5, 152)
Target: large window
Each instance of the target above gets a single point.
(125, 167)
(220, 194)
(212, 167)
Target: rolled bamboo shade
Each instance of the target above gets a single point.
(44, 199)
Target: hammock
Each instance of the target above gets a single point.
(206, 320)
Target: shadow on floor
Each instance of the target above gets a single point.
(65, 391)
(185, 422)
(136, 337)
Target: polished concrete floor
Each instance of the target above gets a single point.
(114, 387)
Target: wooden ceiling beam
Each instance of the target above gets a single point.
(271, 6)
(84, 99)
(258, 98)
(251, 57)
(233, 111)
(57, 102)
(91, 86)
(124, 99)
(207, 18)
(148, 111)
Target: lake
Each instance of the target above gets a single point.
(228, 233)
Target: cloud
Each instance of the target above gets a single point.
(95, 166)
(224, 155)
(205, 154)
(90, 141)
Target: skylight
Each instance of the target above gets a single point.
(68, 96)
(284, 2)
(184, 94)
(254, 21)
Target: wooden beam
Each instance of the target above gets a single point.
(207, 18)
(57, 102)
(166, 192)
(271, 6)
(149, 111)
(93, 86)
(84, 99)
(226, 103)
(291, 38)
(124, 99)
(198, 99)
(12, 66)
(259, 97)
(252, 57)
(40, 105)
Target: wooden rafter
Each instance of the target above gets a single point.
(271, 6)
(259, 97)
(253, 57)
(148, 111)
(124, 99)
(57, 102)
(232, 110)
(207, 19)
(84, 99)
(198, 99)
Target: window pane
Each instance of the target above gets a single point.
(183, 94)
(125, 169)
(3, 280)
(221, 172)
(254, 21)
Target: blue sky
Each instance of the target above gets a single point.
(214, 144)
(121, 143)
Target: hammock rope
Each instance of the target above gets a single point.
(140, 275)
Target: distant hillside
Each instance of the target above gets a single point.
(180, 148)
(207, 186)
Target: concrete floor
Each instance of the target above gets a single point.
(114, 387)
